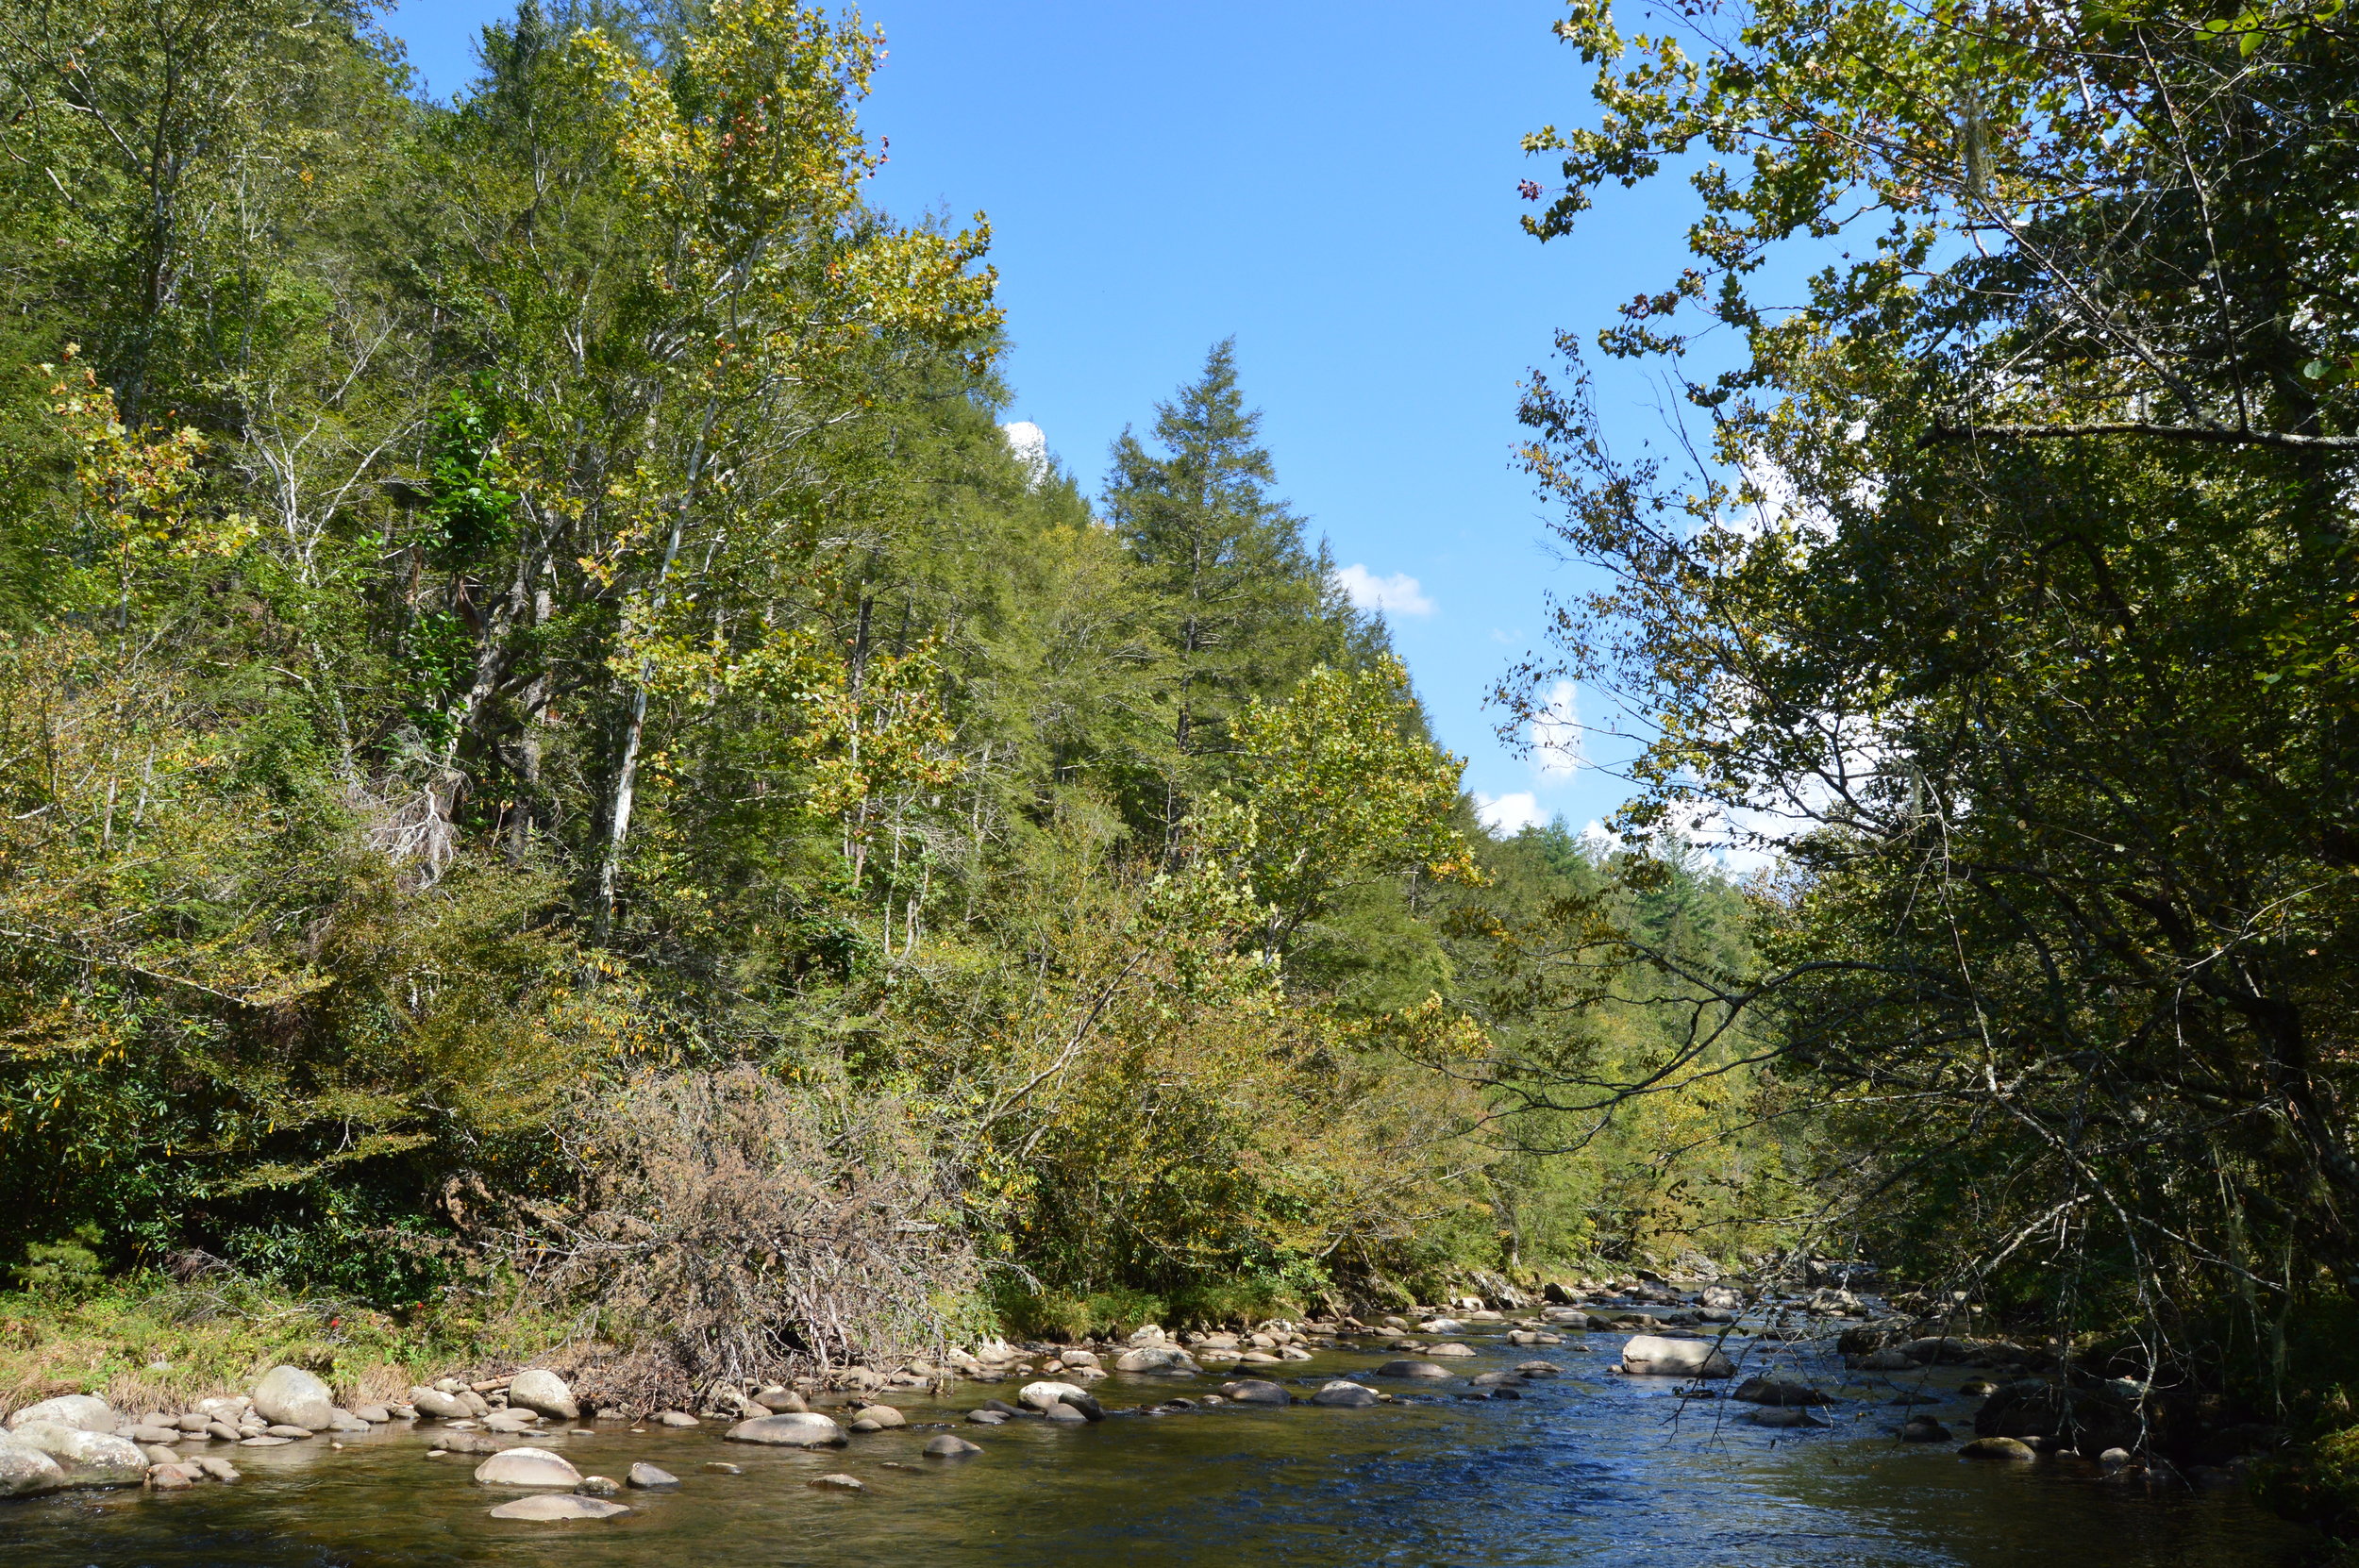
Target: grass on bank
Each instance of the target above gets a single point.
(150, 1341)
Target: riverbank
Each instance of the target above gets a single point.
(1587, 1465)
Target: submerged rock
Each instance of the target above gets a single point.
(1776, 1390)
(2003, 1448)
(951, 1447)
(556, 1507)
(803, 1429)
(1785, 1416)
(837, 1482)
(1412, 1369)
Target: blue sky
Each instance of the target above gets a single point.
(1333, 184)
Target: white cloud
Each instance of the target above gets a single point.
(1508, 815)
(1556, 747)
(1030, 443)
(1399, 594)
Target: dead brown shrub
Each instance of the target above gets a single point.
(731, 1229)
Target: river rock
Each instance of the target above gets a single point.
(25, 1471)
(597, 1486)
(1410, 1369)
(1344, 1393)
(221, 1431)
(2088, 1420)
(84, 1412)
(885, 1416)
(2003, 1448)
(1539, 1369)
(526, 1467)
(441, 1405)
(1080, 1358)
(292, 1434)
(1651, 1356)
(555, 1507)
(263, 1440)
(511, 1421)
(1721, 1299)
(372, 1415)
(681, 1418)
(544, 1393)
(1784, 1416)
(837, 1482)
(158, 1452)
(1155, 1358)
(986, 1418)
(648, 1478)
(1441, 1326)
(1776, 1390)
(800, 1429)
(463, 1443)
(220, 1470)
(1923, 1429)
(1065, 1414)
(1040, 1396)
(1256, 1390)
(290, 1397)
(949, 1445)
(88, 1459)
(1450, 1350)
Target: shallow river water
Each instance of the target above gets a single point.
(1590, 1469)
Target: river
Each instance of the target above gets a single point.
(1592, 1469)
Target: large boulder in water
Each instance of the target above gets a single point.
(290, 1397)
(800, 1429)
(1040, 1395)
(87, 1458)
(544, 1393)
(528, 1467)
(84, 1412)
(25, 1471)
(1256, 1390)
(1652, 1355)
(1345, 1392)
(1154, 1358)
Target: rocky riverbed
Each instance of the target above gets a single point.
(1478, 1436)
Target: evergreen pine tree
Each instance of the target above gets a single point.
(1246, 606)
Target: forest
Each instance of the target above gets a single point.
(564, 778)
(565, 783)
